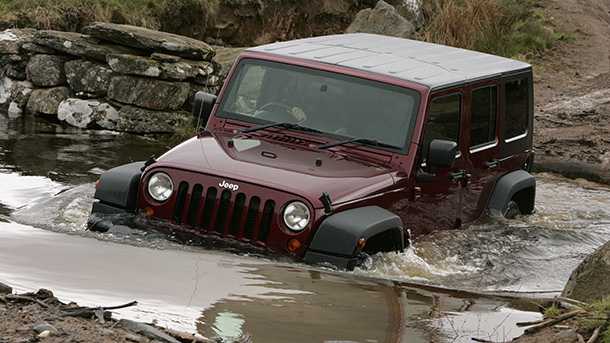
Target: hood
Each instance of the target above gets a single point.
(299, 170)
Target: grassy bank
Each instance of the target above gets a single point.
(181, 16)
(512, 28)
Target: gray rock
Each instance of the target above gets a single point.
(15, 70)
(11, 40)
(138, 120)
(9, 59)
(580, 105)
(165, 57)
(88, 114)
(5, 289)
(85, 77)
(134, 65)
(46, 101)
(33, 48)
(14, 95)
(143, 66)
(148, 93)
(42, 327)
(46, 70)
(146, 330)
(591, 280)
(384, 20)
(150, 40)
(77, 44)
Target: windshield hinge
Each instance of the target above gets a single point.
(327, 202)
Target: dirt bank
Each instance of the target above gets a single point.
(573, 92)
(31, 317)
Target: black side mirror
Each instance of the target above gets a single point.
(441, 154)
(202, 106)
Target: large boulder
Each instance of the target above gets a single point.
(148, 93)
(88, 78)
(384, 19)
(150, 40)
(47, 100)
(77, 44)
(87, 114)
(46, 70)
(591, 280)
(138, 120)
(144, 66)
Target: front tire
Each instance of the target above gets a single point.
(511, 210)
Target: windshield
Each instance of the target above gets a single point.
(337, 105)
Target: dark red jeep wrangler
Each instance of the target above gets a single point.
(332, 147)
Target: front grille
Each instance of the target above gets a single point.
(223, 212)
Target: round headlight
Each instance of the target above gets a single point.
(297, 216)
(160, 187)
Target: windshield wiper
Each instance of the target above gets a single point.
(286, 125)
(364, 141)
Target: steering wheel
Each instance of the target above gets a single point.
(268, 110)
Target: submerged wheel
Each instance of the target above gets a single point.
(98, 224)
(511, 210)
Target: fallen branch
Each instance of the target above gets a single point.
(25, 298)
(535, 322)
(572, 301)
(553, 321)
(95, 311)
(480, 340)
(595, 335)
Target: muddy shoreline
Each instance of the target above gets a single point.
(31, 317)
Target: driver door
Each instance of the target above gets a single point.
(437, 199)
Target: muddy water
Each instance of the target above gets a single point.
(46, 175)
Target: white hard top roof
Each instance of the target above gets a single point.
(432, 65)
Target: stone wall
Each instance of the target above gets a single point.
(114, 77)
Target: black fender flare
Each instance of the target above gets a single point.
(117, 189)
(338, 235)
(507, 186)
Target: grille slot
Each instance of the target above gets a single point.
(251, 217)
(266, 221)
(180, 201)
(238, 211)
(194, 206)
(208, 208)
(223, 208)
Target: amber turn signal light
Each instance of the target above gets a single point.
(148, 211)
(98, 183)
(361, 243)
(294, 245)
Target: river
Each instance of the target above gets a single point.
(430, 293)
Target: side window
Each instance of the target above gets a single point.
(517, 107)
(249, 90)
(443, 120)
(483, 118)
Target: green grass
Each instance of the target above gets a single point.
(181, 16)
(552, 312)
(511, 28)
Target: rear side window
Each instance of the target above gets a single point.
(443, 120)
(517, 107)
(484, 111)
